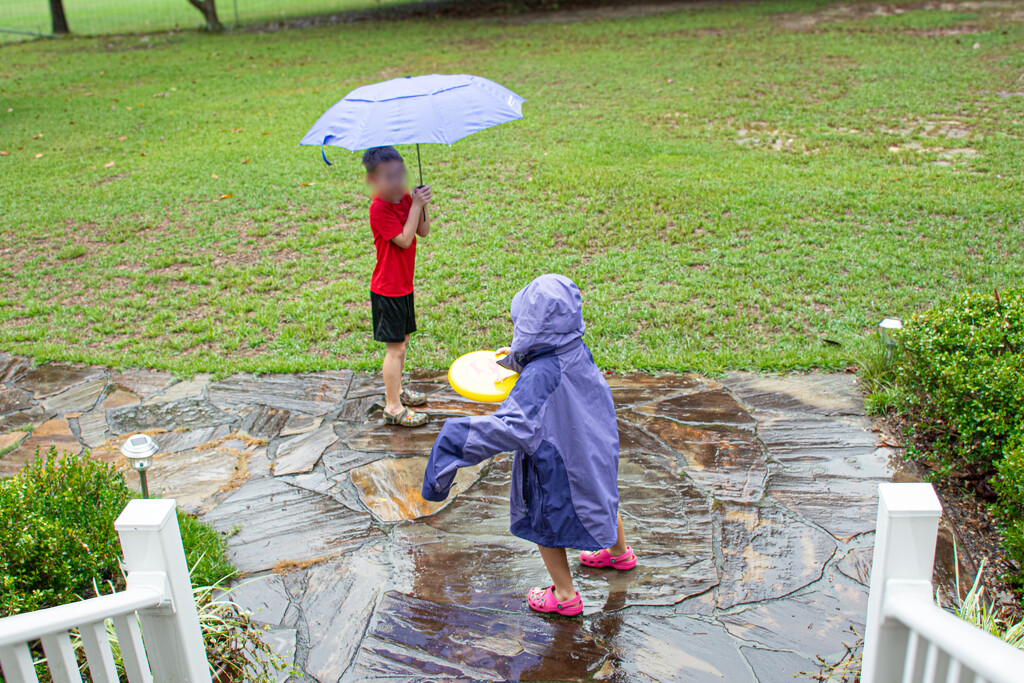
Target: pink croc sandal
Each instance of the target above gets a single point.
(544, 600)
(603, 558)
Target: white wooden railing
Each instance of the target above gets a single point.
(908, 638)
(155, 616)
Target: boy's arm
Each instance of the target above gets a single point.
(420, 198)
(424, 228)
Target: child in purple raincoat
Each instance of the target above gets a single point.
(560, 421)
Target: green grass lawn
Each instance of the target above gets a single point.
(120, 16)
(728, 186)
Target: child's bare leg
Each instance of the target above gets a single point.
(394, 364)
(620, 542)
(558, 568)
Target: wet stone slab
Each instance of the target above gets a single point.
(263, 422)
(280, 523)
(12, 366)
(339, 459)
(51, 378)
(413, 639)
(142, 383)
(377, 437)
(78, 398)
(815, 438)
(13, 400)
(175, 442)
(312, 393)
(728, 462)
(52, 433)
(301, 453)
(185, 414)
(192, 478)
(189, 388)
(768, 554)
(827, 394)
(637, 388)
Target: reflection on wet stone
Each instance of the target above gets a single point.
(339, 459)
(143, 383)
(768, 555)
(707, 407)
(638, 387)
(646, 647)
(189, 413)
(729, 462)
(313, 393)
(390, 488)
(378, 437)
(413, 638)
(810, 438)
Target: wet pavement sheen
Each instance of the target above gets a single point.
(750, 502)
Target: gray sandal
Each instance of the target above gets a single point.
(406, 418)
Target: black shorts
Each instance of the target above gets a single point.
(393, 317)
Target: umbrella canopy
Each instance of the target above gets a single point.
(426, 109)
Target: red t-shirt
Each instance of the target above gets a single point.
(392, 276)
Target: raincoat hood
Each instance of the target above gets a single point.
(548, 316)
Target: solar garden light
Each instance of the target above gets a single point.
(139, 450)
(885, 334)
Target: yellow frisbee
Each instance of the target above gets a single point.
(478, 377)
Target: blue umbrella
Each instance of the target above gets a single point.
(437, 109)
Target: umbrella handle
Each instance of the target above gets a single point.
(324, 154)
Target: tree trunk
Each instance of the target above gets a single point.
(209, 10)
(60, 21)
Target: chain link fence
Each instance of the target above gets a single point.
(24, 19)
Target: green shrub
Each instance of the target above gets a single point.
(958, 378)
(57, 540)
(57, 535)
(963, 366)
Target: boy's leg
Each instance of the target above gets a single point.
(558, 567)
(394, 365)
(620, 542)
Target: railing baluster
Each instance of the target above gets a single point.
(98, 653)
(133, 652)
(953, 673)
(16, 663)
(60, 657)
(910, 661)
(931, 660)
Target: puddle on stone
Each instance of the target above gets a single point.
(414, 639)
(729, 462)
(716, 407)
(390, 488)
(188, 413)
(753, 540)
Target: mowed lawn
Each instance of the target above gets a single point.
(730, 186)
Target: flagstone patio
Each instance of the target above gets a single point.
(750, 501)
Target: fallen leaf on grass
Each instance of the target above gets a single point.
(142, 154)
(39, 156)
(237, 130)
(306, 184)
(5, 154)
(245, 161)
(161, 94)
(122, 138)
(227, 196)
(214, 175)
(108, 164)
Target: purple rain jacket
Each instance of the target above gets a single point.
(560, 421)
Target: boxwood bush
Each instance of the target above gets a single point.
(57, 537)
(958, 378)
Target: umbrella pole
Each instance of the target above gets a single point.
(419, 162)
